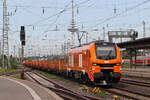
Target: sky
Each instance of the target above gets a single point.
(40, 18)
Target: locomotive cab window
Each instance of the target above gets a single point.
(105, 52)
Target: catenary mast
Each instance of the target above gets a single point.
(5, 47)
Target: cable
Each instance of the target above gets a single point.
(77, 5)
(58, 15)
(32, 13)
(62, 11)
(111, 17)
(129, 9)
(43, 33)
(65, 10)
(29, 6)
(53, 15)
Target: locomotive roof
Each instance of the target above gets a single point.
(88, 46)
(97, 42)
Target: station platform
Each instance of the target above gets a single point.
(16, 89)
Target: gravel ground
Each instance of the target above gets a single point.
(84, 90)
(80, 88)
(143, 76)
(139, 89)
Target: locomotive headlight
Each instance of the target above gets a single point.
(94, 64)
(118, 64)
(93, 69)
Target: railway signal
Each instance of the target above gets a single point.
(22, 35)
(22, 39)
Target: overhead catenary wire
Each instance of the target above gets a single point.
(58, 14)
(77, 5)
(49, 25)
(31, 12)
(55, 20)
(116, 15)
(62, 11)
(109, 18)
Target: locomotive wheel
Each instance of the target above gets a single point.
(85, 79)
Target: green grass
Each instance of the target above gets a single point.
(48, 75)
(14, 63)
(18, 76)
(3, 71)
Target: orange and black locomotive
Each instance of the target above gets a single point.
(98, 62)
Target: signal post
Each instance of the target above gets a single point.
(22, 39)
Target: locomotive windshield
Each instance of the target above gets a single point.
(105, 52)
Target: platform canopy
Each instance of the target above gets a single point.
(142, 43)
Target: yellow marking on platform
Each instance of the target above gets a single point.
(94, 89)
(115, 96)
(97, 90)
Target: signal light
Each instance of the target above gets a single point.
(22, 35)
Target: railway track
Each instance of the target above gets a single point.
(138, 83)
(131, 90)
(137, 71)
(122, 91)
(57, 88)
(137, 74)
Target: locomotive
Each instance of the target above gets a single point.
(98, 62)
